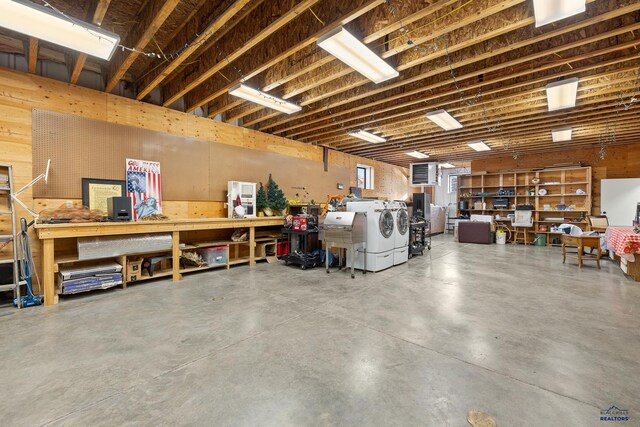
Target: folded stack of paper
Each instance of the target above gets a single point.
(76, 279)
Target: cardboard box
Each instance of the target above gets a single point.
(134, 267)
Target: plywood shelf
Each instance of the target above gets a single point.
(156, 274)
(241, 260)
(204, 267)
(563, 182)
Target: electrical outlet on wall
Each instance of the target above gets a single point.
(69, 204)
(340, 186)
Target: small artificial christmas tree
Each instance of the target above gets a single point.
(261, 198)
(276, 199)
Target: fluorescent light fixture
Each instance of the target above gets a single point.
(447, 165)
(367, 136)
(259, 97)
(417, 155)
(479, 146)
(562, 134)
(562, 94)
(444, 120)
(44, 23)
(548, 11)
(348, 49)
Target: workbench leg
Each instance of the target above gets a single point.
(50, 297)
(252, 246)
(176, 256)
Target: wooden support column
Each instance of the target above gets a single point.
(176, 256)
(50, 297)
(252, 246)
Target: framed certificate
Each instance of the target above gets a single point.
(95, 192)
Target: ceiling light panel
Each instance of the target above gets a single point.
(444, 120)
(45, 24)
(264, 99)
(562, 134)
(562, 94)
(548, 11)
(348, 49)
(417, 155)
(367, 136)
(479, 146)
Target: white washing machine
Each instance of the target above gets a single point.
(380, 234)
(401, 233)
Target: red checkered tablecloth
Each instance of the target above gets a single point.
(623, 241)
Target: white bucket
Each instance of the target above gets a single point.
(501, 238)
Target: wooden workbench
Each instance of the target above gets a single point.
(48, 233)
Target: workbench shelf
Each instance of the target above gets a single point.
(64, 237)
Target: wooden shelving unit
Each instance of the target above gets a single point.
(561, 185)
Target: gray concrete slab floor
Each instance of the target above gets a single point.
(508, 330)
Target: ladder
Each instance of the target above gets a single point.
(6, 189)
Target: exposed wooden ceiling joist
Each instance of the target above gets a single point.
(208, 32)
(214, 60)
(98, 15)
(306, 30)
(154, 15)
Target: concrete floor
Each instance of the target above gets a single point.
(507, 330)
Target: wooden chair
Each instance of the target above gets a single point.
(522, 221)
(598, 223)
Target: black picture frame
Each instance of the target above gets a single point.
(87, 181)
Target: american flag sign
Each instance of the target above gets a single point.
(143, 186)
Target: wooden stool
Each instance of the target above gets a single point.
(516, 233)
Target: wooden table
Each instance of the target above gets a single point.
(625, 244)
(581, 241)
(48, 233)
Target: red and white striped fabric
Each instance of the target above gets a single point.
(623, 242)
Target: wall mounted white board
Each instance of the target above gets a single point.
(619, 198)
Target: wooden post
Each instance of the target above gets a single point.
(252, 246)
(176, 256)
(50, 297)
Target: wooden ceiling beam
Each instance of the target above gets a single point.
(538, 131)
(452, 98)
(303, 34)
(33, 54)
(535, 114)
(219, 106)
(98, 15)
(153, 16)
(288, 73)
(515, 118)
(461, 111)
(461, 155)
(446, 81)
(335, 69)
(211, 62)
(202, 37)
(537, 119)
(321, 90)
(543, 140)
(352, 95)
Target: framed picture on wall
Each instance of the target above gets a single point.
(95, 192)
(453, 184)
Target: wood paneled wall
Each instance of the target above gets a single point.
(620, 162)
(21, 92)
